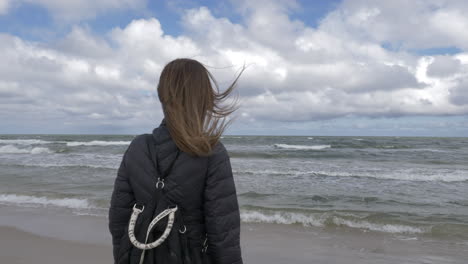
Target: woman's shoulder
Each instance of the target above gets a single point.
(219, 154)
(219, 148)
(138, 144)
(138, 140)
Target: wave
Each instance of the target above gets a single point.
(286, 218)
(97, 143)
(326, 220)
(24, 141)
(399, 175)
(302, 147)
(252, 194)
(387, 228)
(390, 147)
(270, 172)
(44, 201)
(371, 146)
(38, 150)
(461, 176)
(14, 150)
(68, 143)
(68, 165)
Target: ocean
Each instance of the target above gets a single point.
(406, 186)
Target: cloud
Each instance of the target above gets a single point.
(444, 66)
(459, 92)
(295, 72)
(83, 43)
(43, 83)
(321, 72)
(400, 23)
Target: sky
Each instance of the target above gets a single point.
(329, 68)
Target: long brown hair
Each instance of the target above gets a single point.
(192, 108)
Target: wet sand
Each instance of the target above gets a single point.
(40, 235)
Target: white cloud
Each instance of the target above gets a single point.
(332, 70)
(459, 92)
(444, 66)
(404, 24)
(43, 83)
(295, 72)
(81, 42)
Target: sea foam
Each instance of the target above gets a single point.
(287, 218)
(387, 228)
(44, 201)
(324, 220)
(97, 143)
(400, 175)
(14, 150)
(24, 141)
(302, 147)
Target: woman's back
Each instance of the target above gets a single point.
(202, 187)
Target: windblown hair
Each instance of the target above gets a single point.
(192, 108)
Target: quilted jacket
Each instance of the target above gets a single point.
(206, 194)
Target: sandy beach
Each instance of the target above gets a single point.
(18, 246)
(36, 235)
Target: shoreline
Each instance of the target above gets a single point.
(49, 235)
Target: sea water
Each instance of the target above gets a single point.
(400, 185)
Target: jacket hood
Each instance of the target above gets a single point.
(165, 147)
(161, 133)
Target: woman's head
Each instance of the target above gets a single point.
(192, 108)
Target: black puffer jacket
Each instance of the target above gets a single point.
(206, 194)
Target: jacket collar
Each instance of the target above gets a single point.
(161, 133)
(165, 145)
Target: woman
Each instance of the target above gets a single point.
(201, 175)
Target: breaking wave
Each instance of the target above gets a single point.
(399, 175)
(44, 201)
(14, 150)
(69, 165)
(97, 143)
(24, 141)
(302, 147)
(326, 220)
